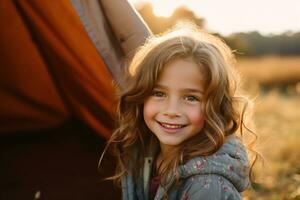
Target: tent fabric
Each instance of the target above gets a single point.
(55, 93)
(50, 69)
(56, 163)
(29, 98)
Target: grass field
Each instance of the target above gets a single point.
(277, 119)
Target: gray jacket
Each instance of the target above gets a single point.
(220, 176)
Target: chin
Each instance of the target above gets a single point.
(172, 143)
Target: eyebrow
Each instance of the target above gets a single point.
(192, 90)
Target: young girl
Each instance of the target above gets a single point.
(180, 121)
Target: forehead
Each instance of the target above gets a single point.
(182, 73)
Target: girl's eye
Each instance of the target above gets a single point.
(191, 98)
(158, 94)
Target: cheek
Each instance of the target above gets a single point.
(149, 110)
(196, 116)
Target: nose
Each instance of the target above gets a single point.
(172, 108)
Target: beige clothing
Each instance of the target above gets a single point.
(115, 28)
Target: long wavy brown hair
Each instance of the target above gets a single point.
(224, 107)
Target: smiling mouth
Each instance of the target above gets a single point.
(171, 126)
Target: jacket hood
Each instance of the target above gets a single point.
(230, 162)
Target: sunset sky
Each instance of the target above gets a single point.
(228, 16)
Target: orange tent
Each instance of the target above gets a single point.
(58, 75)
(53, 82)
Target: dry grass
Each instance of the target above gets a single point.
(270, 69)
(277, 118)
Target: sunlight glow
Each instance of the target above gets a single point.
(165, 8)
(225, 17)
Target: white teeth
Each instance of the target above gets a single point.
(171, 126)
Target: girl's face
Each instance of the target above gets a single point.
(174, 110)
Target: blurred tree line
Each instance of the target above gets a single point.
(245, 44)
(255, 44)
